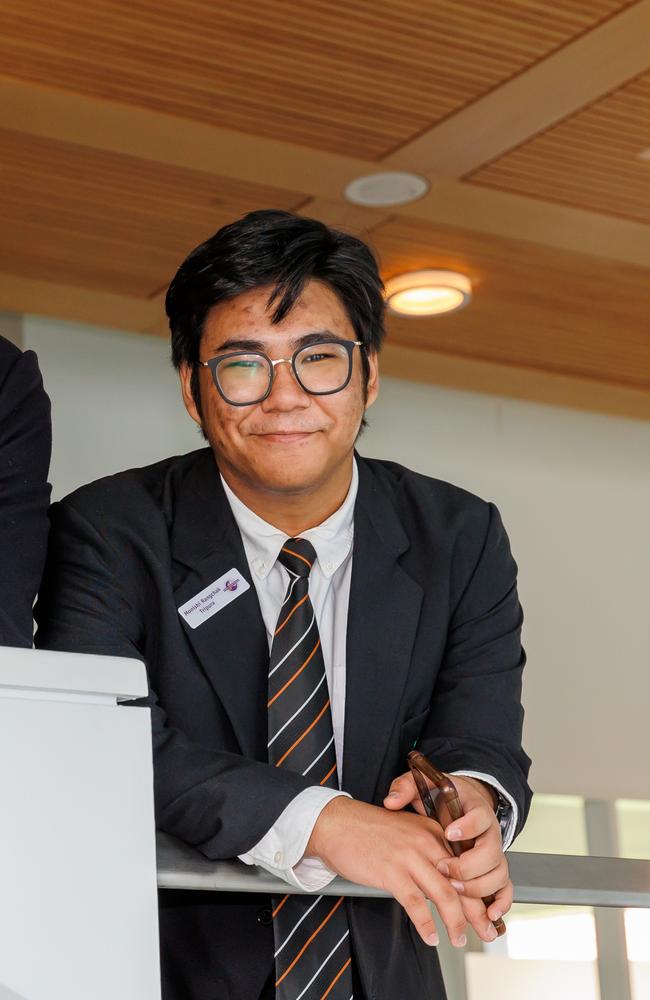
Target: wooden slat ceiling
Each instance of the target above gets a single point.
(591, 160)
(362, 78)
(130, 131)
(533, 307)
(109, 221)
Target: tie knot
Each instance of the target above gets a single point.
(298, 556)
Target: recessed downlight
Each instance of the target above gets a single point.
(394, 187)
(428, 293)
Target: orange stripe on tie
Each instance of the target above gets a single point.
(328, 775)
(293, 610)
(280, 905)
(335, 980)
(307, 730)
(292, 679)
(297, 555)
(309, 941)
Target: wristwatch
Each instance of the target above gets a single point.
(503, 812)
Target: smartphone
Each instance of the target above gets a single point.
(442, 802)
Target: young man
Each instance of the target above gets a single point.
(306, 617)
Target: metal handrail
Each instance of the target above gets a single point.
(556, 879)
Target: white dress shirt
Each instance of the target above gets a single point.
(281, 849)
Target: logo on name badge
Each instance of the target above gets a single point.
(213, 598)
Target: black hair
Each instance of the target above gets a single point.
(277, 248)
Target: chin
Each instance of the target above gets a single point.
(289, 481)
(296, 475)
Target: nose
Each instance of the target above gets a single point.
(286, 392)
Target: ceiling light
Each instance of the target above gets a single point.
(390, 188)
(428, 293)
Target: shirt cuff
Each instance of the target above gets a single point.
(509, 820)
(280, 851)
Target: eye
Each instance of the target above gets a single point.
(321, 354)
(241, 363)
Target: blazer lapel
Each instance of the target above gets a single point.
(383, 616)
(231, 646)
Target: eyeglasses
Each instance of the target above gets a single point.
(246, 377)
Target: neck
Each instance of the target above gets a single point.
(294, 511)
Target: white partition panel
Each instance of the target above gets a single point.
(78, 915)
(494, 977)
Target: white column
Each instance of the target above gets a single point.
(613, 968)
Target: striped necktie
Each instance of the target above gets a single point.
(312, 946)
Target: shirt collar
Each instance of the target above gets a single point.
(332, 539)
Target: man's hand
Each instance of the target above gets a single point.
(398, 852)
(482, 870)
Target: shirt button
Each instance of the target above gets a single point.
(265, 916)
(277, 857)
(328, 566)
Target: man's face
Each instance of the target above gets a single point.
(291, 442)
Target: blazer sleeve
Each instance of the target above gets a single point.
(25, 449)
(476, 717)
(218, 801)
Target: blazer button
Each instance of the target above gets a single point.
(265, 916)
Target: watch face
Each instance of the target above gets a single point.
(503, 812)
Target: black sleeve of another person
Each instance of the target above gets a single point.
(25, 450)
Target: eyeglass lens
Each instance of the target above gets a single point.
(321, 368)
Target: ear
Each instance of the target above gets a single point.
(372, 389)
(185, 375)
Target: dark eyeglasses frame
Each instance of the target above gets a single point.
(213, 364)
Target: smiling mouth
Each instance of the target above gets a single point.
(285, 437)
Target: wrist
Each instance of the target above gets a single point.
(328, 818)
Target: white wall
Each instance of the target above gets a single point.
(115, 400)
(573, 489)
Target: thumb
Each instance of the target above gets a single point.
(401, 793)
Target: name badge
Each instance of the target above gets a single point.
(213, 598)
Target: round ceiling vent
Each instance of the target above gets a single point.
(391, 188)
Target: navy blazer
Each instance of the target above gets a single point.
(433, 658)
(25, 449)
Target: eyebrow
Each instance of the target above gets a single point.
(249, 344)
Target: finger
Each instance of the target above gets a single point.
(475, 822)
(414, 902)
(403, 792)
(477, 916)
(485, 885)
(445, 899)
(393, 803)
(502, 903)
(486, 855)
